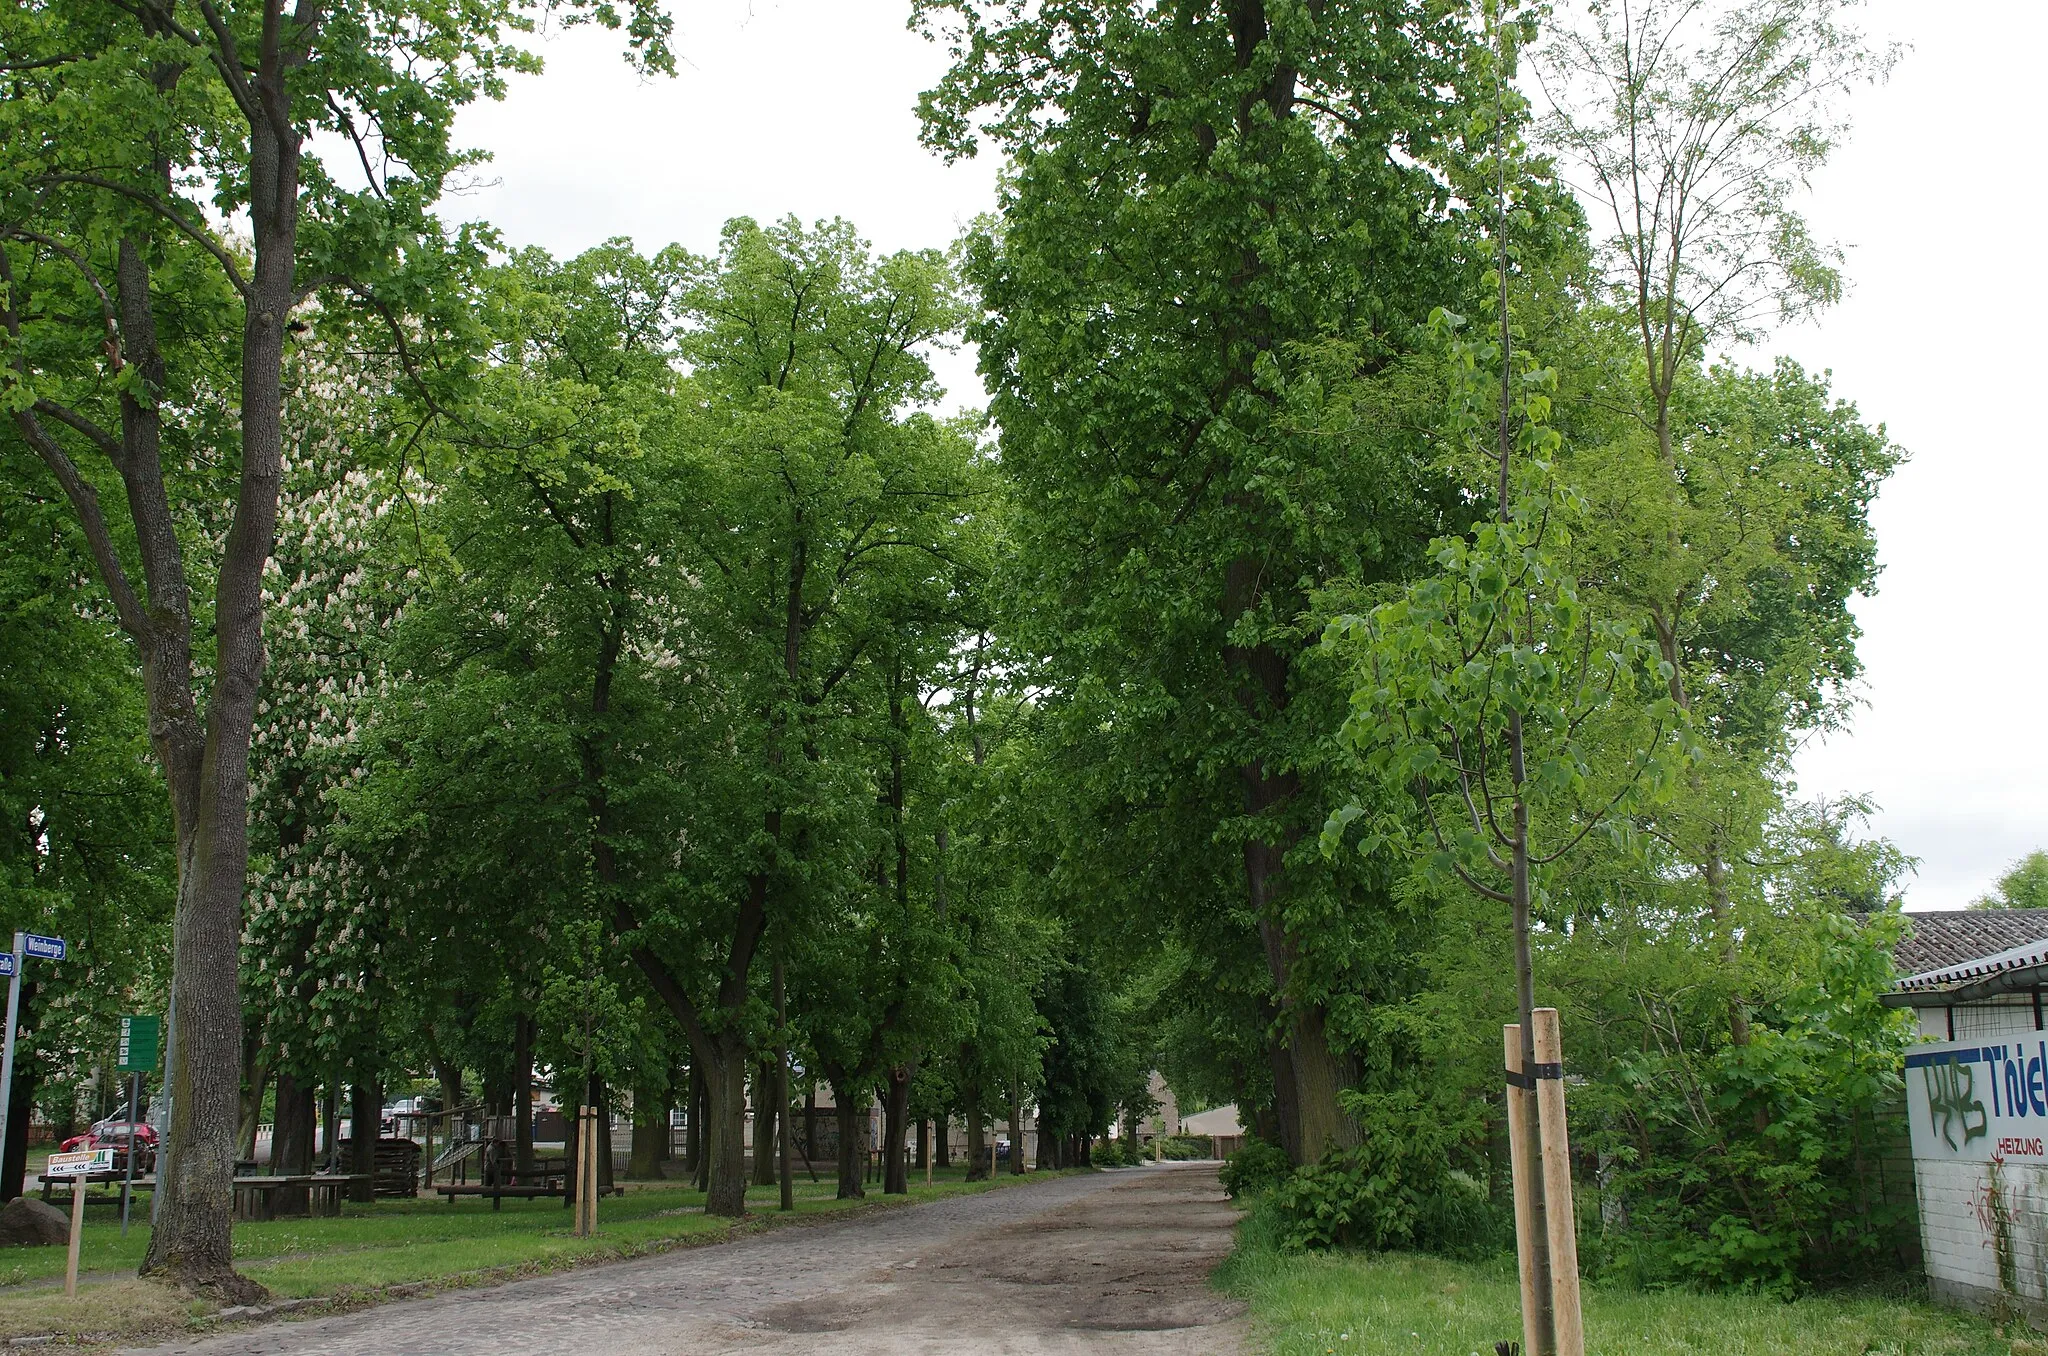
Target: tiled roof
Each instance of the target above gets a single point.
(1953, 937)
(2031, 956)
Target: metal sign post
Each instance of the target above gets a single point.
(138, 1052)
(7, 1059)
(25, 944)
(128, 1181)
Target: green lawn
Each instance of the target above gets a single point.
(399, 1242)
(1423, 1306)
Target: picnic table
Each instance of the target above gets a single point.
(548, 1177)
(256, 1197)
(114, 1178)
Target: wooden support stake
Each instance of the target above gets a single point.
(1519, 1100)
(77, 1232)
(579, 1167)
(1557, 1187)
(590, 1176)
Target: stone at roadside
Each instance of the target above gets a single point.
(27, 1222)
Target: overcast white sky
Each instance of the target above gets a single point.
(806, 106)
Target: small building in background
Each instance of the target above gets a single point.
(1219, 1124)
(1977, 1104)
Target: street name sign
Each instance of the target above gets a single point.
(42, 948)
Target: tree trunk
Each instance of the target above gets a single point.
(810, 1120)
(851, 1160)
(600, 1097)
(725, 1129)
(191, 1241)
(924, 1143)
(522, 1095)
(764, 1124)
(1266, 1124)
(255, 1077)
(700, 1120)
(693, 1122)
(258, 1081)
(785, 1174)
(650, 1140)
(365, 1114)
(21, 1103)
(1314, 1073)
(291, 1138)
(1016, 1129)
(895, 1126)
(942, 1131)
(977, 1139)
(1048, 1146)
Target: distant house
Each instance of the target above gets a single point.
(1977, 1103)
(1220, 1124)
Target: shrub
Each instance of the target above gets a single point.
(1116, 1153)
(1755, 1167)
(1396, 1190)
(1360, 1199)
(1255, 1169)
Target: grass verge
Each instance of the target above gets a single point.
(1353, 1304)
(393, 1248)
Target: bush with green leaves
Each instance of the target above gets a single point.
(1255, 1170)
(1397, 1189)
(1759, 1166)
(1358, 1198)
(1187, 1148)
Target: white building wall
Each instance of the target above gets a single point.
(1978, 1110)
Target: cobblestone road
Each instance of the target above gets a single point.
(1112, 1263)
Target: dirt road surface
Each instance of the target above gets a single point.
(1115, 1262)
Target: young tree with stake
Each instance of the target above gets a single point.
(1491, 695)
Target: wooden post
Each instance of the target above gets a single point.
(1557, 1187)
(576, 1229)
(587, 1187)
(1525, 1209)
(77, 1231)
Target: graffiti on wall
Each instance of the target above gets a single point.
(1951, 1102)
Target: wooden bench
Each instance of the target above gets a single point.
(546, 1177)
(549, 1177)
(499, 1191)
(256, 1197)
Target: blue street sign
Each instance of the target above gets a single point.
(6, 963)
(42, 948)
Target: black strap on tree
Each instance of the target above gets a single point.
(1527, 1081)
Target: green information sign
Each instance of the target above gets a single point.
(141, 1044)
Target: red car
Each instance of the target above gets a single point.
(115, 1134)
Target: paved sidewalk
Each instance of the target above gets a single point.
(1114, 1262)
